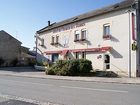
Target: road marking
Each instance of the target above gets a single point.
(104, 90)
(27, 82)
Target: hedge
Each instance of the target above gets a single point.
(70, 68)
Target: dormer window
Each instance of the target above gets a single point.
(77, 36)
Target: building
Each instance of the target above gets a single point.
(107, 37)
(11, 50)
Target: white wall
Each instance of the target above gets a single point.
(119, 22)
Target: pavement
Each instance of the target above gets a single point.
(32, 73)
(65, 92)
(8, 101)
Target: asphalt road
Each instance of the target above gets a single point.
(70, 92)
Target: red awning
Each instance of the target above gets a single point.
(53, 52)
(78, 50)
(64, 52)
(104, 49)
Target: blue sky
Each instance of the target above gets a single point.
(22, 18)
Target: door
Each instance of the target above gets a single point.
(54, 57)
(107, 61)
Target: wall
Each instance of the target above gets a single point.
(9, 48)
(120, 31)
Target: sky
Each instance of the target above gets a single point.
(22, 18)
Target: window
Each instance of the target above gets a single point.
(77, 34)
(52, 43)
(107, 61)
(106, 29)
(83, 55)
(42, 42)
(55, 57)
(77, 55)
(83, 34)
(57, 39)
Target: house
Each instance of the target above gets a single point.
(107, 36)
(11, 51)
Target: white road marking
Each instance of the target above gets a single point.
(93, 89)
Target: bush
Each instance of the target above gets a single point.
(85, 66)
(71, 67)
(14, 62)
(31, 62)
(1, 61)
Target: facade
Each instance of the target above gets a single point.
(107, 37)
(11, 50)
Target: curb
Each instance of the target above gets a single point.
(84, 79)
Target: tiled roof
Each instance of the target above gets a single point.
(115, 7)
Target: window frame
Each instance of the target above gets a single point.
(83, 36)
(76, 33)
(57, 39)
(105, 30)
(42, 42)
(52, 40)
(83, 55)
(77, 55)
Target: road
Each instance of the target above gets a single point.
(70, 92)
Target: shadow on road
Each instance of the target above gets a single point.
(19, 69)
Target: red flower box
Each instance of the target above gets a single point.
(107, 37)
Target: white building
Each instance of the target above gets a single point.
(107, 37)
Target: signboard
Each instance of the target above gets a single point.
(68, 27)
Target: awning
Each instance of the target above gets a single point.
(104, 49)
(52, 52)
(64, 52)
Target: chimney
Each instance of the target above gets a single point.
(49, 23)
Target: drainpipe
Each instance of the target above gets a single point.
(129, 44)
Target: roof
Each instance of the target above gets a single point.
(4, 32)
(115, 7)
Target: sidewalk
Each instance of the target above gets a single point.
(39, 74)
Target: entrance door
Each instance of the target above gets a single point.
(54, 57)
(107, 61)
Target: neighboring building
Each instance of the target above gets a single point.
(105, 36)
(11, 50)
